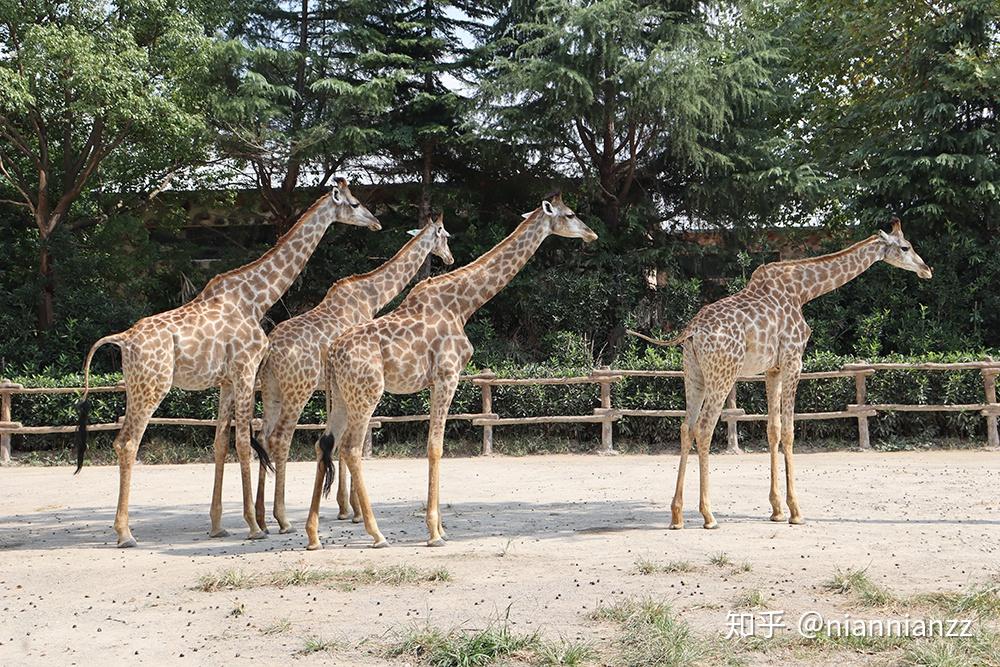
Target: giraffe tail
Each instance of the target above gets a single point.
(261, 452)
(326, 446)
(676, 340)
(83, 406)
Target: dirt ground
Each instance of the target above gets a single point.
(543, 540)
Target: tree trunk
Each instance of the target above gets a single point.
(426, 178)
(46, 294)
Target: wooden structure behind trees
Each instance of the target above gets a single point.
(604, 414)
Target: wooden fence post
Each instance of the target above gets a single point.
(990, 389)
(861, 395)
(607, 426)
(733, 438)
(5, 417)
(487, 392)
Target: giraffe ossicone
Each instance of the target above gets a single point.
(761, 329)
(422, 344)
(214, 340)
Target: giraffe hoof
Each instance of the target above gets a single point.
(381, 544)
(314, 546)
(436, 543)
(221, 532)
(342, 516)
(287, 530)
(127, 543)
(796, 521)
(264, 529)
(677, 526)
(259, 535)
(356, 519)
(711, 526)
(777, 517)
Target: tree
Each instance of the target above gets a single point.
(616, 90)
(82, 85)
(297, 93)
(436, 46)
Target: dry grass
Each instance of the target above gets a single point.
(651, 636)
(645, 566)
(458, 648)
(390, 575)
(751, 599)
(856, 582)
(721, 559)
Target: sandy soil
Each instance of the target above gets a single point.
(547, 538)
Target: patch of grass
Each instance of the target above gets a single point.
(652, 636)
(278, 627)
(981, 650)
(224, 580)
(238, 610)
(645, 566)
(316, 645)
(458, 648)
(982, 601)
(390, 575)
(721, 559)
(564, 653)
(745, 566)
(752, 599)
(857, 583)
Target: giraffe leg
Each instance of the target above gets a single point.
(278, 447)
(442, 392)
(356, 514)
(790, 381)
(258, 506)
(312, 521)
(694, 396)
(705, 426)
(220, 450)
(343, 487)
(355, 439)
(243, 402)
(773, 384)
(141, 402)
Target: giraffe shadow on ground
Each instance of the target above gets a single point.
(181, 530)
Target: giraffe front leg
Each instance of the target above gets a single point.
(441, 396)
(790, 383)
(220, 448)
(243, 411)
(259, 512)
(344, 490)
(773, 386)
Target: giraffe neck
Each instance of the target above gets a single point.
(258, 285)
(812, 278)
(476, 283)
(377, 288)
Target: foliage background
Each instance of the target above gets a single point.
(698, 139)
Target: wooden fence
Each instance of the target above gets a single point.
(605, 415)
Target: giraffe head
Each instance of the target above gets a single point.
(435, 226)
(900, 253)
(561, 219)
(348, 210)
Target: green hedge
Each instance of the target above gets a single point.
(521, 401)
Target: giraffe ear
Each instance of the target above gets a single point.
(548, 208)
(527, 215)
(335, 194)
(413, 232)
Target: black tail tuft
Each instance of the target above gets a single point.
(83, 410)
(326, 448)
(261, 452)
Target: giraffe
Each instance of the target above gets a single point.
(293, 368)
(761, 329)
(214, 340)
(420, 344)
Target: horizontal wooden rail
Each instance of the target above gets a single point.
(606, 414)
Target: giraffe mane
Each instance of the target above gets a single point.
(819, 258)
(308, 213)
(474, 264)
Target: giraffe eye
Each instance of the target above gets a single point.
(355, 204)
(904, 248)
